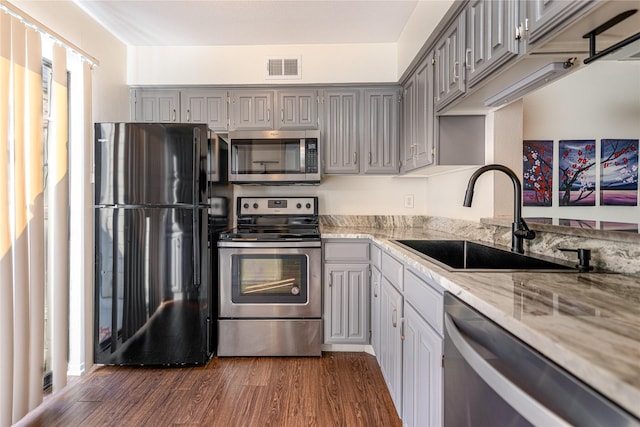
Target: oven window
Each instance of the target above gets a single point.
(268, 279)
(265, 156)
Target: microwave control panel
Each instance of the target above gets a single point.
(311, 155)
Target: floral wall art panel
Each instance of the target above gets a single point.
(619, 175)
(537, 173)
(577, 172)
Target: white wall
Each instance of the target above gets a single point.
(354, 195)
(234, 65)
(110, 93)
(601, 100)
(420, 25)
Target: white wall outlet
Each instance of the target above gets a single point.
(408, 200)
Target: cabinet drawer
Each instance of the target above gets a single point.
(426, 300)
(347, 251)
(392, 269)
(376, 256)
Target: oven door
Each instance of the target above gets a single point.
(263, 281)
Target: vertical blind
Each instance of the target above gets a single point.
(24, 267)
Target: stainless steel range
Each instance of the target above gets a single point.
(270, 279)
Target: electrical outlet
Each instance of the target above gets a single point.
(408, 200)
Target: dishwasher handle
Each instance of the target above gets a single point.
(527, 406)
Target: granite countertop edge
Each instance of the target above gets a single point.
(602, 350)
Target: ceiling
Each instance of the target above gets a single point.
(254, 22)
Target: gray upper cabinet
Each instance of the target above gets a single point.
(449, 63)
(297, 109)
(417, 146)
(493, 37)
(381, 131)
(546, 16)
(205, 106)
(156, 105)
(251, 109)
(340, 132)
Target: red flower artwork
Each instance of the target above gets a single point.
(537, 173)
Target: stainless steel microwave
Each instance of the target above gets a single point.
(274, 157)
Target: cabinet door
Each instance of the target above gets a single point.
(298, 109)
(407, 149)
(546, 16)
(346, 304)
(390, 338)
(251, 110)
(376, 283)
(205, 106)
(449, 74)
(491, 37)
(418, 117)
(381, 112)
(156, 105)
(425, 114)
(422, 372)
(340, 131)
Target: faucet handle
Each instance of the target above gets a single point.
(523, 230)
(584, 256)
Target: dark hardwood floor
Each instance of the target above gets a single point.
(337, 389)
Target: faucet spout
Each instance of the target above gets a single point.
(520, 230)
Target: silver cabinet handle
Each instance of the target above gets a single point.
(524, 404)
(402, 337)
(370, 156)
(188, 115)
(456, 71)
(282, 116)
(173, 115)
(394, 318)
(355, 157)
(269, 115)
(467, 58)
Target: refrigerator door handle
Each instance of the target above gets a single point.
(196, 199)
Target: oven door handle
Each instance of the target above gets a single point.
(523, 403)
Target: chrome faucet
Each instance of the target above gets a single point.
(519, 229)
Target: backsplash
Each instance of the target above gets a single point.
(610, 253)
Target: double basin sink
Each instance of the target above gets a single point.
(464, 255)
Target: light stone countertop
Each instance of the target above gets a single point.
(588, 323)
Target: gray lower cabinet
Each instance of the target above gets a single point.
(346, 297)
(346, 292)
(251, 109)
(376, 283)
(422, 370)
(341, 131)
(207, 106)
(493, 37)
(390, 358)
(155, 105)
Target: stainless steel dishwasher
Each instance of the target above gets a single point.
(493, 379)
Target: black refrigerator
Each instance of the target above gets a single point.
(160, 201)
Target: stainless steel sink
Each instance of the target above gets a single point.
(464, 255)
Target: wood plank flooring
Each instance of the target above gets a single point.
(337, 389)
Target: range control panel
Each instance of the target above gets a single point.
(277, 206)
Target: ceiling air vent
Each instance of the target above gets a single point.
(283, 68)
